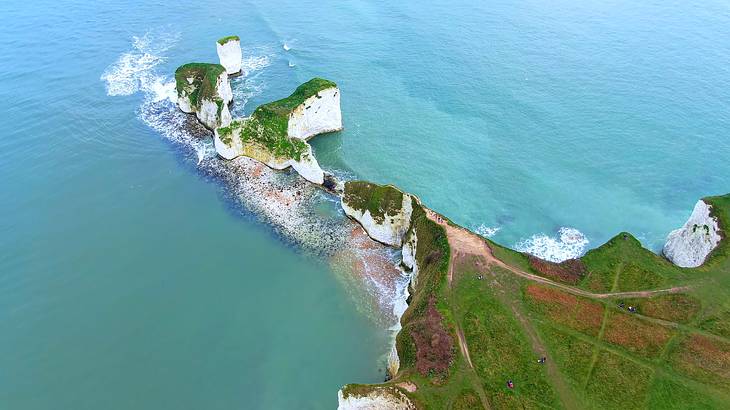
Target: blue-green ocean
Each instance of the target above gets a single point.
(139, 271)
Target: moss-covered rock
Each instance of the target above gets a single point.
(204, 89)
(383, 210)
(264, 135)
(243, 138)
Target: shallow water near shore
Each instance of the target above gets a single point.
(137, 270)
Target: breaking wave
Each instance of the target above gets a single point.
(134, 70)
(570, 243)
(487, 231)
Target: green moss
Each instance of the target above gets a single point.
(269, 123)
(270, 131)
(379, 200)
(720, 210)
(204, 82)
(224, 40)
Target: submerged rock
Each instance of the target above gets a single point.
(383, 210)
(689, 245)
(229, 54)
(204, 89)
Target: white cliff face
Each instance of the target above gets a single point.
(689, 245)
(231, 146)
(318, 114)
(210, 113)
(230, 56)
(409, 255)
(377, 399)
(391, 230)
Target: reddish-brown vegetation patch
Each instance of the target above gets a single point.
(636, 335)
(578, 313)
(674, 308)
(704, 358)
(570, 271)
(434, 346)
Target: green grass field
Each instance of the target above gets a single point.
(673, 352)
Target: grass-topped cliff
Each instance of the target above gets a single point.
(198, 81)
(379, 200)
(482, 314)
(267, 127)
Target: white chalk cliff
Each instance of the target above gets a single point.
(410, 245)
(391, 229)
(318, 114)
(689, 245)
(231, 146)
(212, 112)
(378, 398)
(229, 54)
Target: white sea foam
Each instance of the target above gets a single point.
(133, 70)
(570, 243)
(251, 64)
(487, 231)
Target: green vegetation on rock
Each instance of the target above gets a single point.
(269, 123)
(224, 40)
(198, 82)
(379, 200)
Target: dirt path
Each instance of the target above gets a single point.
(459, 332)
(464, 243)
(468, 242)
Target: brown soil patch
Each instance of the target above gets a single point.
(434, 347)
(566, 309)
(570, 271)
(636, 335)
(410, 387)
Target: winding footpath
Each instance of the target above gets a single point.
(464, 241)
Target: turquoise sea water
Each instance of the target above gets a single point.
(131, 275)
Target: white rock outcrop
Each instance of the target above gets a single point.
(229, 54)
(233, 147)
(391, 229)
(379, 398)
(410, 245)
(318, 114)
(689, 245)
(213, 111)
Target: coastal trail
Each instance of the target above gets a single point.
(464, 241)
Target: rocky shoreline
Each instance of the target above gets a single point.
(274, 138)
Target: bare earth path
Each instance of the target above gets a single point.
(467, 242)
(463, 242)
